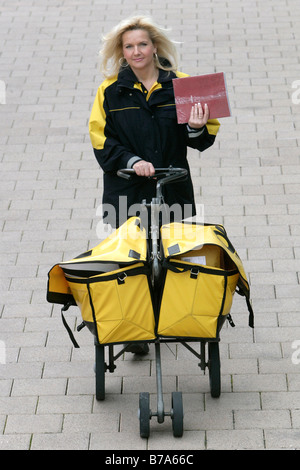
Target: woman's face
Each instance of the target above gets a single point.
(138, 50)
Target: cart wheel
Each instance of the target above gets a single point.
(144, 414)
(177, 414)
(214, 367)
(100, 369)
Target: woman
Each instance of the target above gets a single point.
(133, 121)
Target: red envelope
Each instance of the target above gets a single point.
(210, 89)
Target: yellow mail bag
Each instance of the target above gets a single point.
(111, 286)
(201, 274)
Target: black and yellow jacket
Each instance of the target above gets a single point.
(129, 123)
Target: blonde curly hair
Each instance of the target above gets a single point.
(112, 47)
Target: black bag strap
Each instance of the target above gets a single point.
(245, 293)
(251, 313)
(176, 267)
(181, 267)
(64, 309)
(120, 276)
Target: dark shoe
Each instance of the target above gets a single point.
(138, 348)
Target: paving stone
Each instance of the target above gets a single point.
(60, 441)
(24, 424)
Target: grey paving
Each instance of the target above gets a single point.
(50, 190)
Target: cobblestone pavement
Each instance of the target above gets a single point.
(51, 188)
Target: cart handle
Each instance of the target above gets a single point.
(163, 175)
(170, 172)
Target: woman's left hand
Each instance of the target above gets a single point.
(198, 117)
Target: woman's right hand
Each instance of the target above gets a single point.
(143, 168)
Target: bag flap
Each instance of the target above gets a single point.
(127, 244)
(179, 238)
(58, 290)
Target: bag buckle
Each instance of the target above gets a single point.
(121, 278)
(194, 273)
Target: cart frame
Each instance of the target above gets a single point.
(208, 359)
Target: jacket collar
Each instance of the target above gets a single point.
(127, 78)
